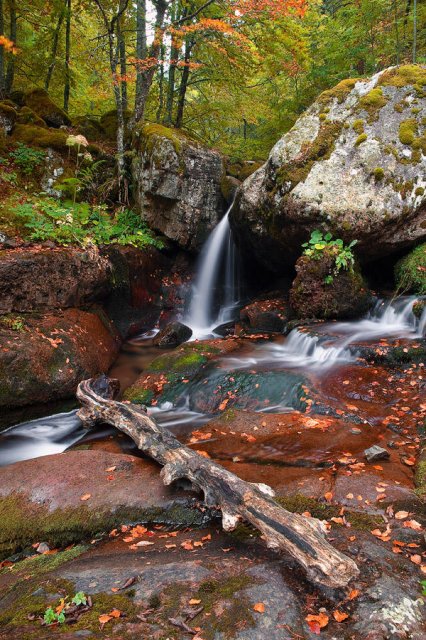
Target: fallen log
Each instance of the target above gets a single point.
(301, 537)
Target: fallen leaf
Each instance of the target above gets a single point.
(144, 543)
(339, 616)
(417, 559)
(111, 468)
(85, 496)
(317, 622)
(401, 515)
(354, 593)
(259, 607)
(115, 613)
(194, 601)
(328, 496)
(413, 524)
(104, 618)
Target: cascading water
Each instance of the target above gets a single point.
(216, 290)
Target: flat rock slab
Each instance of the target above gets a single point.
(63, 497)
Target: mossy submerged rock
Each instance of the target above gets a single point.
(323, 173)
(177, 184)
(39, 101)
(317, 294)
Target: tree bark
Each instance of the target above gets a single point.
(189, 43)
(141, 44)
(301, 537)
(10, 73)
(67, 86)
(121, 43)
(2, 76)
(55, 44)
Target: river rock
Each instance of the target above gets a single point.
(312, 295)
(44, 357)
(177, 184)
(376, 453)
(268, 315)
(172, 335)
(353, 165)
(36, 279)
(41, 499)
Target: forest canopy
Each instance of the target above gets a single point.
(235, 74)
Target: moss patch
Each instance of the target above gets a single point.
(407, 131)
(319, 149)
(372, 102)
(28, 116)
(340, 91)
(409, 74)
(410, 272)
(358, 126)
(362, 138)
(33, 135)
(378, 174)
(149, 134)
(38, 100)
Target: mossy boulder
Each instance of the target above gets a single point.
(89, 127)
(109, 123)
(8, 117)
(28, 116)
(352, 165)
(35, 136)
(410, 271)
(178, 184)
(319, 292)
(39, 101)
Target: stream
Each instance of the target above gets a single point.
(318, 352)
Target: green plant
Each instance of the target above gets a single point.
(27, 158)
(318, 245)
(81, 223)
(58, 615)
(51, 616)
(16, 323)
(79, 598)
(423, 583)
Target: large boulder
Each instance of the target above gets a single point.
(177, 184)
(44, 357)
(39, 101)
(39, 279)
(352, 165)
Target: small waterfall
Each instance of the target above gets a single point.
(216, 289)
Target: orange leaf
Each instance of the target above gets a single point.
(417, 559)
(321, 619)
(194, 601)
(401, 515)
(104, 618)
(328, 496)
(85, 496)
(259, 607)
(339, 616)
(353, 594)
(115, 613)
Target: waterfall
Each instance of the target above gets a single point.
(215, 293)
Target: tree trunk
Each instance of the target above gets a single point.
(2, 77)
(184, 82)
(159, 115)
(141, 45)
(301, 537)
(55, 45)
(147, 75)
(10, 73)
(67, 86)
(121, 43)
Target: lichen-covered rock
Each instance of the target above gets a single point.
(44, 357)
(8, 117)
(316, 294)
(40, 279)
(177, 185)
(353, 164)
(39, 101)
(410, 271)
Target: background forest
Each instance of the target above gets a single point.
(235, 74)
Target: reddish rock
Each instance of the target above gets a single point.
(44, 357)
(266, 315)
(36, 279)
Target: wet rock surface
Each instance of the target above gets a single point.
(173, 335)
(45, 356)
(268, 315)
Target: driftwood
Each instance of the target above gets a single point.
(301, 537)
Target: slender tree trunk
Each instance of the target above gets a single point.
(174, 53)
(2, 77)
(121, 43)
(148, 74)
(141, 44)
(10, 73)
(397, 40)
(414, 31)
(161, 85)
(184, 82)
(67, 87)
(54, 52)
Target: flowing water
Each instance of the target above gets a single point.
(216, 290)
(216, 293)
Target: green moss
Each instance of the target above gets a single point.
(340, 91)
(150, 133)
(109, 123)
(372, 102)
(227, 187)
(319, 149)
(8, 111)
(39, 137)
(38, 100)
(139, 395)
(419, 144)
(40, 564)
(362, 138)
(378, 174)
(358, 126)
(410, 272)
(415, 111)
(409, 74)
(322, 116)
(419, 191)
(28, 116)
(407, 131)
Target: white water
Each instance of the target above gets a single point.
(215, 292)
(388, 319)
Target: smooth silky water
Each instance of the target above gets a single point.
(215, 300)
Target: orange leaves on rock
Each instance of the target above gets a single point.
(106, 617)
(401, 515)
(85, 496)
(317, 622)
(410, 462)
(194, 601)
(382, 535)
(416, 559)
(340, 616)
(413, 524)
(328, 496)
(259, 607)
